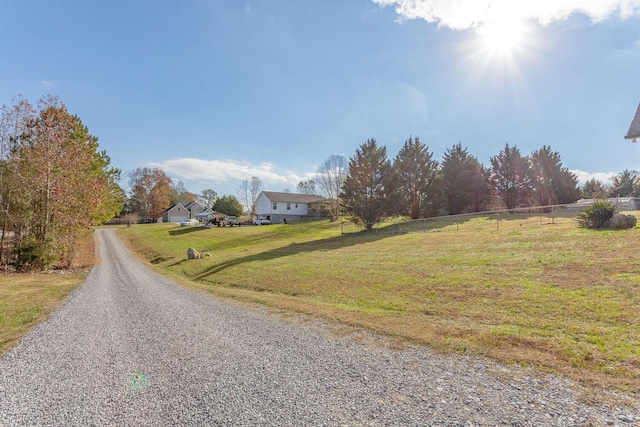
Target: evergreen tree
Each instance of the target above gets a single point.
(626, 184)
(369, 188)
(228, 205)
(464, 181)
(551, 182)
(595, 189)
(510, 177)
(418, 180)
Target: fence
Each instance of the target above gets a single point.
(523, 217)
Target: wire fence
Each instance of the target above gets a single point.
(523, 217)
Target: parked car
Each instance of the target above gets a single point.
(189, 222)
(261, 221)
(231, 221)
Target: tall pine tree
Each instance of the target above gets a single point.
(369, 191)
(510, 177)
(464, 181)
(419, 183)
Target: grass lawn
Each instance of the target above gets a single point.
(27, 299)
(533, 291)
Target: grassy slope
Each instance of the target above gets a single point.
(530, 292)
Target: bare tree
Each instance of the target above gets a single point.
(331, 176)
(208, 197)
(307, 187)
(255, 187)
(13, 126)
(243, 194)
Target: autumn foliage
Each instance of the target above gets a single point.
(54, 184)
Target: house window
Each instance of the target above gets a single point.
(275, 206)
(288, 206)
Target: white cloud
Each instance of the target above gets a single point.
(466, 14)
(47, 84)
(604, 177)
(224, 171)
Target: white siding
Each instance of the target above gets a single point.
(265, 207)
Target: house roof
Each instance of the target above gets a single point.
(176, 205)
(634, 129)
(275, 196)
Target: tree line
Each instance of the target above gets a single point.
(414, 184)
(55, 183)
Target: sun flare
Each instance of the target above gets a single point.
(502, 36)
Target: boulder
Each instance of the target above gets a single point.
(622, 221)
(193, 254)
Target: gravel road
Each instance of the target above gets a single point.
(132, 348)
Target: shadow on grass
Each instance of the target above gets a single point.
(185, 230)
(337, 242)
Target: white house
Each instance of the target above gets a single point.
(278, 207)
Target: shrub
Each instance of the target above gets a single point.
(32, 255)
(597, 215)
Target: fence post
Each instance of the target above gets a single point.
(497, 220)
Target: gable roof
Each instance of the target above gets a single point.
(175, 206)
(634, 129)
(275, 196)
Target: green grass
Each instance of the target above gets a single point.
(27, 299)
(526, 290)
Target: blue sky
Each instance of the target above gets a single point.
(214, 92)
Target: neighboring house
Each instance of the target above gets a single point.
(634, 129)
(276, 207)
(196, 208)
(180, 212)
(176, 213)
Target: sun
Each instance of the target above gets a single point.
(503, 36)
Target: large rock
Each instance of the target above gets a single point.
(631, 221)
(193, 254)
(622, 221)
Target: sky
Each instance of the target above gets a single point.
(214, 92)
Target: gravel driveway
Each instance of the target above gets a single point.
(132, 348)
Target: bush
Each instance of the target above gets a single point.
(31, 255)
(597, 215)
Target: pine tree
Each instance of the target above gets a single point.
(510, 177)
(369, 188)
(464, 181)
(551, 182)
(419, 182)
